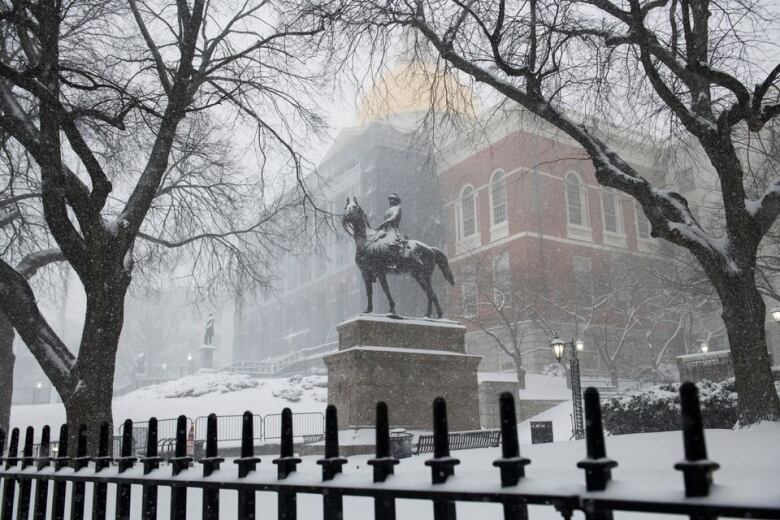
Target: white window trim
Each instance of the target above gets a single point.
(578, 231)
(614, 238)
(500, 230)
(466, 243)
(645, 244)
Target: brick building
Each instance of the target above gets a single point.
(526, 215)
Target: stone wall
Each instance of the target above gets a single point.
(407, 364)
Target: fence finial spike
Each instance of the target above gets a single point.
(512, 465)
(384, 461)
(247, 462)
(332, 463)
(212, 460)
(598, 468)
(287, 462)
(442, 465)
(697, 468)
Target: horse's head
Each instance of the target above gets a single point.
(354, 219)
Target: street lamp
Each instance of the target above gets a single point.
(164, 369)
(189, 361)
(705, 346)
(558, 347)
(37, 392)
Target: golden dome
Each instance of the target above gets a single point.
(414, 87)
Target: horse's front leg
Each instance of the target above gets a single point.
(383, 282)
(369, 293)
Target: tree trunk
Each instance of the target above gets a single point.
(7, 361)
(744, 315)
(613, 374)
(92, 388)
(520, 370)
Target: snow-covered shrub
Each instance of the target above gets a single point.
(291, 394)
(658, 408)
(196, 385)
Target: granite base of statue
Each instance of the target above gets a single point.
(407, 363)
(207, 356)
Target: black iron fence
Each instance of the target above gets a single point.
(38, 486)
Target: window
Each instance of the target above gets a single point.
(469, 299)
(576, 209)
(642, 224)
(498, 197)
(468, 212)
(610, 208)
(502, 279)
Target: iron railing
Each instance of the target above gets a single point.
(36, 485)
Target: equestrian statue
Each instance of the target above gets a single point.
(383, 251)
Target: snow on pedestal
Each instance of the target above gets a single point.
(407, 363)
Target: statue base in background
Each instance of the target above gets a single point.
(406, 363)
(207, 356)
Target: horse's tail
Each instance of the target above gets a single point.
(444, 265)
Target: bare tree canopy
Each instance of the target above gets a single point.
(121, 108)
(691, 67)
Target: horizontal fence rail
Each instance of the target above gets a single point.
(39, 487)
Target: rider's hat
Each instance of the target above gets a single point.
(394, 198)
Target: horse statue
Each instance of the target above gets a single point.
(377, 256)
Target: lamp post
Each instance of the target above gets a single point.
(559, 347)
(164, 370)
(704, 347)
(37, 392)
(189, 361)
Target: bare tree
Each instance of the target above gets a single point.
(23, 241)
(75, 79)
(504, 309)
(699, 71)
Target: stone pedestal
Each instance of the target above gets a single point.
(207, 356)
(407, 363)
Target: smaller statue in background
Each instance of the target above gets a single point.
(208, 336)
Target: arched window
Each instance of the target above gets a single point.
(576, 210)
(468, 212)
(498, 197)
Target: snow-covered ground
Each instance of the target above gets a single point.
(232, 394)
(196, 396)
(750, 458)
